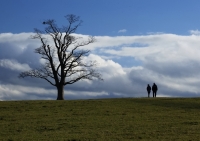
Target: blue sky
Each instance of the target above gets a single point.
(139, 42)
(104, 17)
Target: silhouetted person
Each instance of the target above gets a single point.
(154, 89)
(148, 90)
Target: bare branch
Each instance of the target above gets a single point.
(85, 74)
(64, 58)
(37, 74)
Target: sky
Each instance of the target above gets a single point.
(138, 42)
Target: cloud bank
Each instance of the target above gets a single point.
(127, 64)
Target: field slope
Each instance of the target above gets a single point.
(103, 119)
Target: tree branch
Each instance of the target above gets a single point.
(63, 58)
(37, 74)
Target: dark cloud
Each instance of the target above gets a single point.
(9, 51)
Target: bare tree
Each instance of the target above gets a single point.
(64, 60)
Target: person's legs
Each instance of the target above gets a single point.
(155, 93)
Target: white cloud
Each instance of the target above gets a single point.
(18, 92)
(194, 32)
(122, 31)
(172, 61)
(168, 59)
(109, 67)
(14, 65)
(21, 40)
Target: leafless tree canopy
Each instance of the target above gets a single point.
(64, 59)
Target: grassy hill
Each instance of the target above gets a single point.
(104, 119)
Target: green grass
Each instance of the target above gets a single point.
(102, 120)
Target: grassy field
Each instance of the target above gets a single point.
(124, 119)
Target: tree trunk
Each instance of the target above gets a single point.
(60, 95)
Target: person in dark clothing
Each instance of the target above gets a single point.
(154, 89)
(148, 90)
